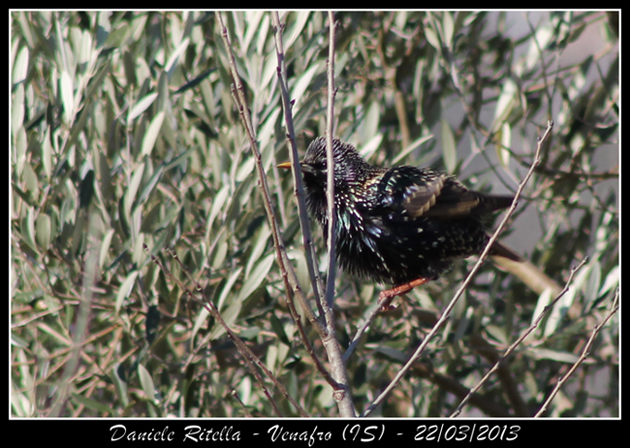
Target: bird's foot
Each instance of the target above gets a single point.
(385, 297)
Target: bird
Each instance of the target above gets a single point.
(402, 226)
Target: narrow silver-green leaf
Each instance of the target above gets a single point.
(17, 109)
(146, 381)
(593, 282)
(554, 355)
(20, 150)
(47, 154)
(152, 133)
(125, 290)
(296, 28)
(227, 289)
(120, 384)
(172, 61)
(253, 18)
(107, 240)
(505, 139)
(447, 29)
(229, 316)
(43, 231)
(432, 38)
(611, 281)
(200, 320)
(449, 149)
(93, 404)
(257, 277)
(505, 103)
(218, 203)
(141, 106)
(130, 194)
(85, 51)
(259, 247)
(370, 125)
(67, 96)
(303, 83)
(20, 67)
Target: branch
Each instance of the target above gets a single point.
(250, 358)
(296, 170)
(330, 163)
(338, 380)
(288, 273)
(331, 344)
(516, 343)
(585, 352)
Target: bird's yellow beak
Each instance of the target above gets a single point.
(285, 165)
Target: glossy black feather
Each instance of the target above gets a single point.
(395, 225)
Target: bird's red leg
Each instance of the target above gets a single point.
(385, 297)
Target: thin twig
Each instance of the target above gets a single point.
(330, 163)
(446, 313)
(585, 352)
(363, 327)
(516, 343)
(250, 358)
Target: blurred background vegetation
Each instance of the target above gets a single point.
(124, 134)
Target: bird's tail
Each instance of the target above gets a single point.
(499, 250)
(492, 203)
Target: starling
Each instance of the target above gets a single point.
(401, 226)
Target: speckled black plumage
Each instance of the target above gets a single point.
(395, 225)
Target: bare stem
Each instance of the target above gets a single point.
(288, 273)
(330, 162)
(516, 343)
(585, 352)
(295, 162)
(322, 330)
(250, 358)
(339, 372)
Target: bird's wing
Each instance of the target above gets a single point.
(450, 199)
(454, 201)
(426, 193)
(421, 195)
(430, 194)
(410, 190)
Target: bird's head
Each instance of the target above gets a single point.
(349, 165)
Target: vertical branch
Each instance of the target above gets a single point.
(339, 372)
(288, 273)
(322, 331)
(339, 376)
(330, 163)
(296, 169)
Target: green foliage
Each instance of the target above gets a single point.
(124, 134)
